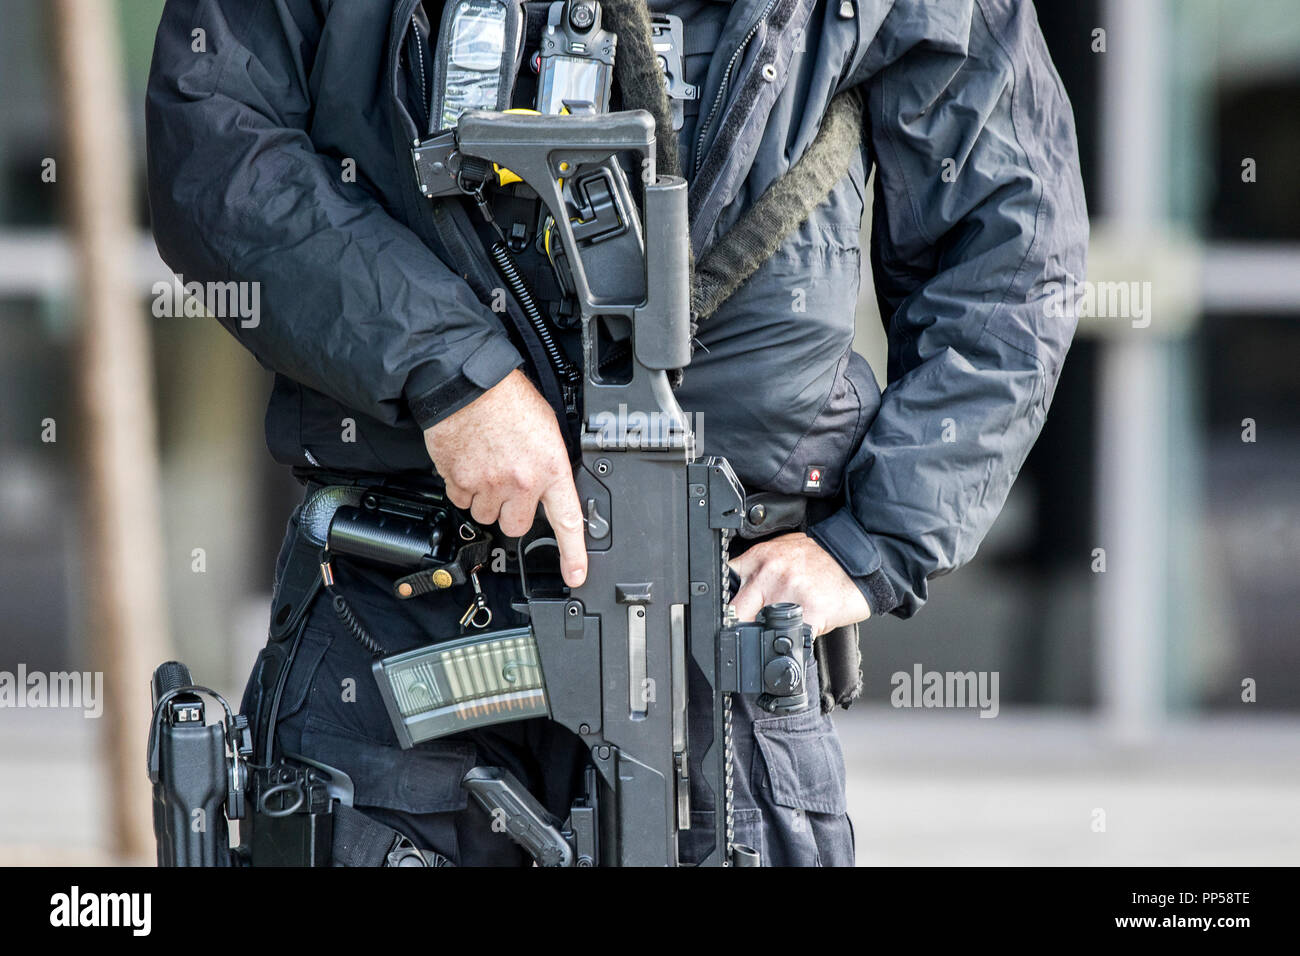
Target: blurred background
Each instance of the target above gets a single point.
(1136, 598)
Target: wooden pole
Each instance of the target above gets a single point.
(123, 535)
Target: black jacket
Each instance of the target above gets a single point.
(373, 303)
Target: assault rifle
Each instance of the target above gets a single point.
(621, 659)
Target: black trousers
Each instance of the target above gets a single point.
(789, 778)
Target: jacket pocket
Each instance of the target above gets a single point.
(835, 434)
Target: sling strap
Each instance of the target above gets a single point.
(786, 204)
(640, 80)
(782, 209)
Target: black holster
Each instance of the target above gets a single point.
(839, 666)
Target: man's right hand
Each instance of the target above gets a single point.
(500, 456)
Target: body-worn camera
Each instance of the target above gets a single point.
(575, 59)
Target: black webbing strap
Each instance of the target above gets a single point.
(453, 574)
(839, 667)
(785, 206)
(360, 840)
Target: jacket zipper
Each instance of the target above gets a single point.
(416, 52)
(698, 158)
(403, 21)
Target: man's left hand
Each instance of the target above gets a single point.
(794, 567)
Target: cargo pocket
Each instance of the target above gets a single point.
(302, 675)
(799, 779)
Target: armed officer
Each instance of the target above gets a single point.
(279, 136)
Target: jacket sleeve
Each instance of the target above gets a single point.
(352, 303)
(979, 226)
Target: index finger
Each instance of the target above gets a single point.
(560, 502)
